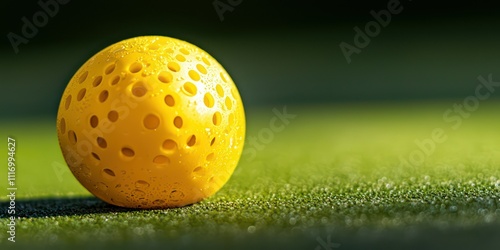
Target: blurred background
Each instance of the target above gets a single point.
(278, 52)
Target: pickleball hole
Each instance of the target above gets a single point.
(219, 90)
(67, 103)
(109, 172)
(109, 69)
(103, 96)
(135, 67)
(223, 77)
(173, 66)
(102, 142)
(194, 75)
(212, 142)
(201, 68)
(165, 77)
(97, 81)
(178, 122)
(217, 118)
(169, 145)
(161, 159)
(96, 156)
(176, 195)
(83, 77)
(180, 58)
(229, 103)
(169, 100)
(139, 90)
(128, 152)
(210, 156)
(151, 121)
(141, 184)
(102, 186)
(154, 46)
(206, 61)
(208, 100)
(158, 202)
(184, 51)
(113, 116)
(81, 94)
(233, 93)
(190, 89)
(198, 171)
(115, 80)
(191, 141)
(72, 137)
(62, 125)
(94, 121)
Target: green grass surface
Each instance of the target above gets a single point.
(333, 174)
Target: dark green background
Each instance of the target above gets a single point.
(284, 54)
(278, 52)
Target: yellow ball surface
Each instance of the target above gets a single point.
(151, 122)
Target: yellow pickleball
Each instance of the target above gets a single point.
(151, 122)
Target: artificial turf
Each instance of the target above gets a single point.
(333, 178)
